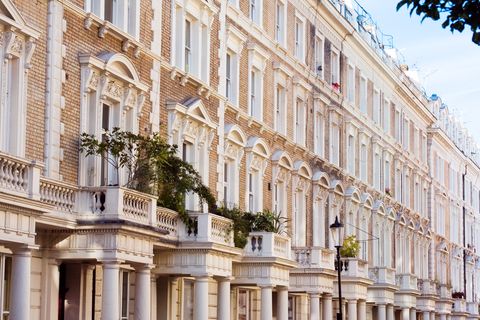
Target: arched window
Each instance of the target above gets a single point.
(191, 128)
(281, 176)
(112, 96)
(235, 142)
(301, 185)
(257, 161)
(321, 187)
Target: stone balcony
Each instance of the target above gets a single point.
(444, 291)
(268, 245)
(355, 268)
(459, 306)
(426, 287)
(19, 177)
(314, 257)
(382, 276)
(208, 228)
(406, 282)
(472, 308)
(118, 204)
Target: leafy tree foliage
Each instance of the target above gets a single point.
(458, 14)
(153, 167)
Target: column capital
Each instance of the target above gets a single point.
(314, 294)
(144, 267)
(327, 296)
(224, 279)
(111, 263)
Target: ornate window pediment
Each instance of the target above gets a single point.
(112, 95)
(189, 121)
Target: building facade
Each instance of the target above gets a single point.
(296, 106)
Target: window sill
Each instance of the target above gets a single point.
(185, 77)
(106, 27)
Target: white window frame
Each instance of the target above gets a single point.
(5, 286)
(255, 9)
(320, 134)
(200, 17)
(122, 17)
(363, 85)
(256, 67)
(234, 150)
(280, 22)
(376, 107)
(351, 83)
(319, 55)
(351, 154)
(334, 66)
(335, 144)
(363, 166)
(280, 122)
(386, 116)
(188, 301)
(300, 118)
(257, 162)
(300, 37)
(235, 41)
(121, 292)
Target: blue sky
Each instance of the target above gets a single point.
(448, 64)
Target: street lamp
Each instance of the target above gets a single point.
(337, 235)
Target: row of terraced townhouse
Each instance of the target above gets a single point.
(295, 106)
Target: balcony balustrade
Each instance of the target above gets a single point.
(472, 308)
(356, 268)
(268, 245)
(459, 306)
(207, 227)
(426, 287)
(382, 275)
(444, 291)
(406, 282)
(314, 257)
(19, 177)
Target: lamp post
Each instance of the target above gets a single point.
(337, 235)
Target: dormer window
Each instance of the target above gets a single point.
(125, 14)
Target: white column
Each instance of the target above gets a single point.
(223, 299)
(142, 292)
(282, 303)
(110, 291)
(352, 309)
(426, 315)
(153, 296)
(405, 315)
(390, 312)
(432, 315)
(200, 311)
(443, 317)
(362, 310)
(327, 307)
(266, 308)
(382, 312)
(51, 287)
(20, 292)
(413, 314)
(314, 306)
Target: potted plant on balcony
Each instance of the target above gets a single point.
(350, 248)
(152, 166)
